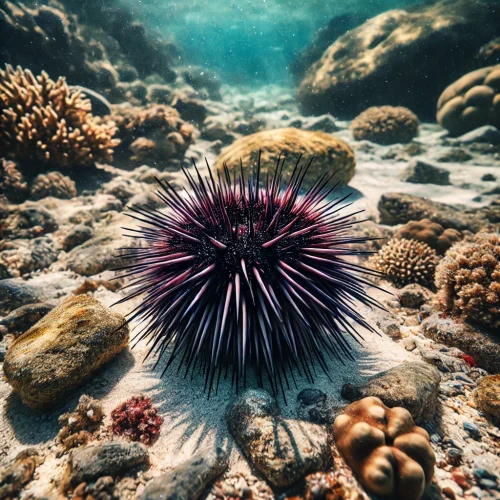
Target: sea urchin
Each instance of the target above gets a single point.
(244, 276)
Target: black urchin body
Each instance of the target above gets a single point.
(244, 276)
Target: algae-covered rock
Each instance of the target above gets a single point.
(487, 395)
(331, 155)
(64, 349)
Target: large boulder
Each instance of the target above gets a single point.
(401, 57)
(64, 349)
(330, 154)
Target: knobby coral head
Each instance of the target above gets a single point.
(247, 276)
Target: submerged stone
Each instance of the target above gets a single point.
(63, 350)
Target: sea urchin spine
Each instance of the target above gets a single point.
(244, 276)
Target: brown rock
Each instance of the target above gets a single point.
(487, 395)
(63, 350)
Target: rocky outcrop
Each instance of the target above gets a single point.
(369, 65)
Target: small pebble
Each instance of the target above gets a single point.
(473, 430)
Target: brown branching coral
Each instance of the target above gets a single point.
(44, 122)
(79, 425)
(388, 453)
(432, 233)
(385, 125)
(468, 280)
(406, 261)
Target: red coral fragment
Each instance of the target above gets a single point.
(469, 360)
(137, 419)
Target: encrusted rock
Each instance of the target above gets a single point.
(18, 473)
(487, 395)
(15, 293)
(283, 450)
(110, 459)
(424, 172)
(188, 480)
(413, 296)
(399, 208)
(316, 407)
(482, 346)
(412, 385)
(63, 350)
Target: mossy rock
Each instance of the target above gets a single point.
(63, 350)
(331, 155)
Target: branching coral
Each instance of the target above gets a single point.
(137, 419)
(468, 280)
(389, 454)
(407, 261)
(385, 125)
(79, 425)
(431, 233)
(44, 122)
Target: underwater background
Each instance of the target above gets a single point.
(249, 249)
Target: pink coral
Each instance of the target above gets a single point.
(137, 419)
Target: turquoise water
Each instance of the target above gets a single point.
(250, 42)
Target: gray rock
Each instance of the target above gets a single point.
(443, 362)
(413, 386)
(487, 134)
(76, 236)
(324, 123)
(315, 406)
(482, 346)
(487, 466)
(188, 480)
(283, 450)
(15, 293)
(24, 317)
(390, 326)
(423, 172)
(110, 459)
(64, 349)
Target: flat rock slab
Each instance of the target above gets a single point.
(64, 349)
(189, 479)
(110, 459)
(283, 450)
(413, 386)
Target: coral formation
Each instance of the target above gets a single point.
(431, 233)
(369, 65)
(468, 280)
(52, 184)
(385, 125)
(489, 54)
(330, 154)
(43, 122)
(406, 261)
(13, 185)
(152, 134)
(79, 425)
(471, 101)
(389, 454)
(245, 272)
(137, 419)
